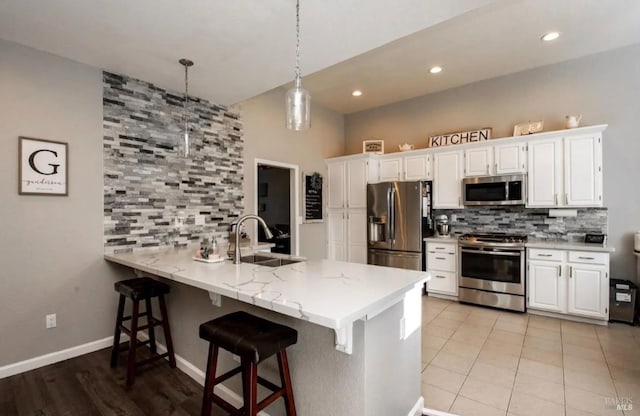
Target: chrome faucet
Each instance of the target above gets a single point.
(267, 232)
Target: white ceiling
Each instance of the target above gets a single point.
(243, 48)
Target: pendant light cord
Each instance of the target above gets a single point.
(297, 41)
(186, 99)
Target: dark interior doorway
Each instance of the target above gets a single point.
(274, 206)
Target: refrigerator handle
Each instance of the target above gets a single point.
(392, 217)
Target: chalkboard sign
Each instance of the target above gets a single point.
(312, 192)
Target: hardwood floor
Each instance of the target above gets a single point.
(86, 386)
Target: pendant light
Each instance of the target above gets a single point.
(298, 99)
(186, 145)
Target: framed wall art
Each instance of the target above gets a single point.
(312, 197)
(42, 167)
(373, 146)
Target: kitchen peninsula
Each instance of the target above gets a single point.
(374, 314)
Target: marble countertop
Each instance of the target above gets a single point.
(569, 245)
(332, 294)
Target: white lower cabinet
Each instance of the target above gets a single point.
(568, 282)
(588, 290)
(442, 264)
(347, 235)
(547, 290)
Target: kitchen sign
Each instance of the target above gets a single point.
(42, 167)
(460, 137)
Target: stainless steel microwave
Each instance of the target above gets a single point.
(494, 190)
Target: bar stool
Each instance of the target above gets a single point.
(254, 339)
(137, 290)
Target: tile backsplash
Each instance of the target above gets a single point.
(152, 195)
(535, 223)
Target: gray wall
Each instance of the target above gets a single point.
(605, 88)
(51, 250)
(266, 137)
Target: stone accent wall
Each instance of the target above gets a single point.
(535, 223)
(149, 189)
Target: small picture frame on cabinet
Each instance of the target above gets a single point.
(374, 146)
(529, 127)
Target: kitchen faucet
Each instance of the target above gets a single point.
(267, 232)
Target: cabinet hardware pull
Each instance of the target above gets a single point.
(440, 258)
(555, 199)
(440, 248)
(440, 277)
(544, 255)
(566, 198)
(586, 258)
(496, 167)
(488, 171)
(570, 272)
(559, 271)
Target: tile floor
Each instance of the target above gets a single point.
(481, 361)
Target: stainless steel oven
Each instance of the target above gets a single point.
(492, 270)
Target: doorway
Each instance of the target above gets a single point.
(276, 201)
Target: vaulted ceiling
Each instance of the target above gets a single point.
(243, 48)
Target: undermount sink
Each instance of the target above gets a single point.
(265, 260)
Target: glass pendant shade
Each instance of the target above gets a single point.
(185, 147)
(298, 107)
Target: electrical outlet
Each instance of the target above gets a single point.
(199, 219)
(178, 222)
(51, 320)
(454, 218)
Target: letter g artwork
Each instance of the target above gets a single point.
(42, 167)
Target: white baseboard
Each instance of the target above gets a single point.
(54, 357)
(430, 412)
(569, 317)
(185, 366)
(416, 410)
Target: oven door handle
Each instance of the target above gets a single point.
(491, 253)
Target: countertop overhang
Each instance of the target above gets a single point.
(332, 294)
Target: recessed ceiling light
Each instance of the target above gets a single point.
(435, 70)
(356, 93)
(548, 37)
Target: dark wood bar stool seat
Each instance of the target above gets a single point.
(253, 339)
(141, 289)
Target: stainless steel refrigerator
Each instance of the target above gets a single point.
(398, 217)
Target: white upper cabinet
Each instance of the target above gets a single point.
(418, 167)
(337, 181)
(510, 158)
(446, 180)
(565, 172)
(545, 173)
(391, 169)
(478, 161)
(357, 172)
(347, 182)
(583, 171)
